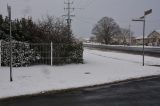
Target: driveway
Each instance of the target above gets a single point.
(135, 93)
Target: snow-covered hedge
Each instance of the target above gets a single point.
(25, 54)
(77, 53)
(68, 53)
(22, 54)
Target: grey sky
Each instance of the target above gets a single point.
(123, 11)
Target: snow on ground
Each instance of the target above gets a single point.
(127, 57)
(102, 67)
(133, 46)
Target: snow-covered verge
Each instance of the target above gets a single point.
(99, 68)
(132, 46)
(127, 57)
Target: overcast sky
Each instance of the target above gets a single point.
(123, 11)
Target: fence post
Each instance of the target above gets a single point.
(0, 52)
(51, 53)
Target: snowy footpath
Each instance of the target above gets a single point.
(99, 67)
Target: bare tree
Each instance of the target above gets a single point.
(54, 29)
(126, 35)
(105, 29)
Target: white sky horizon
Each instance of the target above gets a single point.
(122, 11)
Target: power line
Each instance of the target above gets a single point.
(89, 4)
(84, 21)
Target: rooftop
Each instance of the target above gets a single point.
(140, 37)
(158, 31)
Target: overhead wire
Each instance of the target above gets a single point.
(89, 4)
(84, 21)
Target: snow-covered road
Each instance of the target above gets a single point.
(100, 67)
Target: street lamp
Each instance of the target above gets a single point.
(142, 19)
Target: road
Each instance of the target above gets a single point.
(136, 93)
(151, 51)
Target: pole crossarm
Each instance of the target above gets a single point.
(138, 20)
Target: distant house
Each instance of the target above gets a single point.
(122, 39)
(139, 40)
(154, 38)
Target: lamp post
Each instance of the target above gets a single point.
(142, 19)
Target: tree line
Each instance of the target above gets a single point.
(107, 30)
(45, 30)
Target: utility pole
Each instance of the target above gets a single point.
(69, 15)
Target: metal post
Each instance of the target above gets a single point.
(10, 41)
(51, 54)
(11, 79)
(142, 19)
(143, 38)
